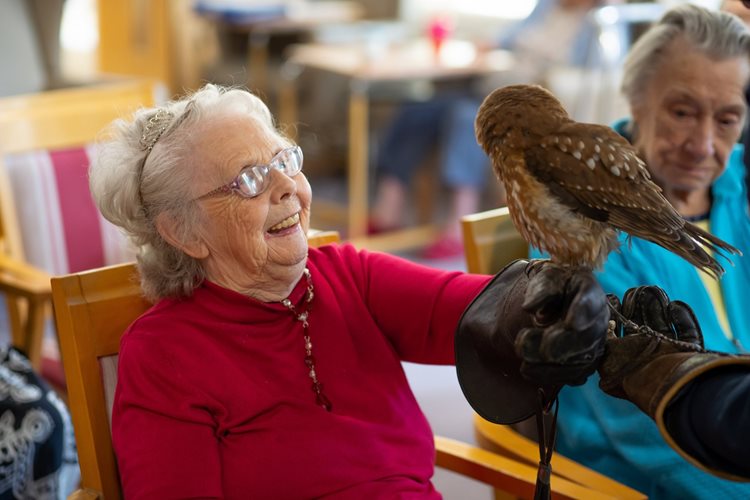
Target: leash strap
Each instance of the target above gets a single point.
(542, 489)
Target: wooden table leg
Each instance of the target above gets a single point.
(358, 160)
(287, 104)
(257, 63)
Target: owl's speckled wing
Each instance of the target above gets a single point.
(546, 160)
(595, 171)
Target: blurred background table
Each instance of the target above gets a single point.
(366, 64)
(261, 22)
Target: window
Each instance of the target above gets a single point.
(501, 9)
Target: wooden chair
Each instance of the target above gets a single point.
(159, 39)
(92, 310)
(27, 293)
(26, 288)
(34, 221)
(491, 241)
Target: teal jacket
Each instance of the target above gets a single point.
(611, 435)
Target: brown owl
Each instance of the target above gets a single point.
(570, 186)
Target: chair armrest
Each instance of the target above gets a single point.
(85, 494)
(318, 237)
(505, 441)
(21, 279)
(504, 473)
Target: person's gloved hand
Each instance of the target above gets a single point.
(565, 341)
(534, 327)
(660, 349)
(546, 321)
(655, 361)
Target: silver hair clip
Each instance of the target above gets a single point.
(155, 127)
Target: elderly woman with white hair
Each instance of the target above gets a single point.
(267, 369)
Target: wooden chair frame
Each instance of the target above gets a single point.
(27, 293)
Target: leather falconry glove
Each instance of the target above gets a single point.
(660, 350)
(535, 325)
(658, 354)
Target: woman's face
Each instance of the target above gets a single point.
(253, 244)
(690, 119)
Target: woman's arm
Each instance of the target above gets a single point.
(165, 442)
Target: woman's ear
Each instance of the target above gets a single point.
(193, 245)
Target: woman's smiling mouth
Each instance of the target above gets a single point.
(285, 224)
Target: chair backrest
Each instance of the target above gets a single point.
(491, 241)
(93, 309)
(47, 216)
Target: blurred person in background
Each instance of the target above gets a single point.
(557, 32)
(741, 8)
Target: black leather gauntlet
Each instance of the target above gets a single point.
(536, 324)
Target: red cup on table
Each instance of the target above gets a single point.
(439, 29)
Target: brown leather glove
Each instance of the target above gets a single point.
(536, 324)
(659, 351)
(658, 355)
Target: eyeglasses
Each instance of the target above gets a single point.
(253, 180)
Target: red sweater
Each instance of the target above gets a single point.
(214, 400)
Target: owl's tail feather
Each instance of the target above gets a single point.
(699, 248)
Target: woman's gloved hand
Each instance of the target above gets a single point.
(569, 312)
(535, 325)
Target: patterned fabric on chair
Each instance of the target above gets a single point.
(39, 457)
(61, 228)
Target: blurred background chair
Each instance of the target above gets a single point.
(27, 295)
(48, 222)
(159, 39)
(491, 242)
(93, 308)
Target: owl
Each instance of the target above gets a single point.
(572, 186)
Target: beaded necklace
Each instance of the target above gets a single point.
(302, 317)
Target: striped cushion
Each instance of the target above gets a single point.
(61, 228)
